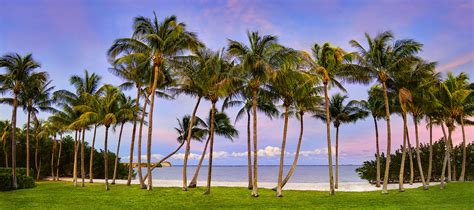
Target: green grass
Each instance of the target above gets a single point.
(62, 195)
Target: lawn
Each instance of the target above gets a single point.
(62, 195)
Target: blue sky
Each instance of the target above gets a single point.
(67, 37)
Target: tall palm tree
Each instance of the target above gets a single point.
(375, 106)
(106, 115)
(467, 111)
(285, 83)
(41, 131)
(190, 82)
(222, 127)
(342, 113)
(34, 98)
(325, 63)
(256, 60)
(243, 98)
(379, 61)
(221, 80)
(5, 128)
(159, 41)
(13, 81)
(127, 112)
(454, 91)
(135, 70)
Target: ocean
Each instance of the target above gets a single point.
(302, 173)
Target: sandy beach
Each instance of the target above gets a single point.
(343, 186)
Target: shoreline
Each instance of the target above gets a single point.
(343, 186)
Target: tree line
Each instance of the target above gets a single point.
(162, 59)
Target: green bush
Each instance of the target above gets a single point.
(23, 182)
(19, 171)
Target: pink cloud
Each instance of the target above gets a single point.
(457, 62)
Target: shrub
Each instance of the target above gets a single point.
(23, 182)
(19, 171)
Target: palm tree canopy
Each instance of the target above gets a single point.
(222, 125)
(340, 113)
(198, 132)
(18, 70)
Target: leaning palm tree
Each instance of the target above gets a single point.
(199, 132)
(380, 60)
(159, 41)
(134, 69)
(18, 69)
(127, 112)
(256, 61)
(5, 128)
(222, 127)
(106, 115)
(342, 113)
(220, 79)
(325, 63)
(243, 99)
(34, 98)
(375, 106)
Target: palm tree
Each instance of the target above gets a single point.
(34, 98)
(190, 82)
(375, 106)
(380, 60)
(221, 80)
(106, 115)
(18, 69)
(243, 98)
(87, 85)
(326, 61)
(454, 91)
(222, 127)
(340, 113)
(134, 69)
(256, 60)
(467, 110)
(5, 128)
(40, 132)
(159, 41)
(127, 112)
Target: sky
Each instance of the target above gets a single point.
(68, 37)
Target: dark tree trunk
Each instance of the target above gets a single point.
(28, 119)
(255, 149)
(15, 105)
(53, 150)
(249, 152)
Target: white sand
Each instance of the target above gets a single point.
(343, 186)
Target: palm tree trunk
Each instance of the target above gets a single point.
(74, 172)
(410, 158)
(452, 156)
(255, 164)
(132, 143)
(37, 164)
(5, 152)
(401, 174)
(39, 170)
(188, 145)
(165, 158)
(418, 157)
(337, 158)
(28, 119)
(282, 155)
(389, 142)
(328, 134)
(430, 162)
(249, 152)
(83, 174)
(446, 157)
(377, 183)
(298, 147)
(139, 145)
(193, 182)
(15, 106)
(150, 127)
(211, 149)
(463, 166)
(91, 158)
(106, 159)
(52, 157)
(59, 154)
(117, 154)
(450, 149)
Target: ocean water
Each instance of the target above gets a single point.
(302, 174)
